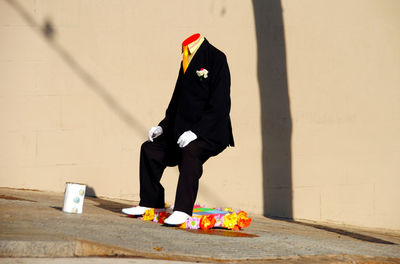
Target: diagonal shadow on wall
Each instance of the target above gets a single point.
(47, 30)
(275, 109)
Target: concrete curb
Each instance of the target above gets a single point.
(37, 248)
(83, 248)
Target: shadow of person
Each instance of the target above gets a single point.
(106, 204)
(275, 109)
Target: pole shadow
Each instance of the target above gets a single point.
(275, 109)
(48, 31)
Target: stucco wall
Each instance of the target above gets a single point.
(76, 105)
(343, 62)
(314, 100)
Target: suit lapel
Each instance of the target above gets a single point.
(197, 59)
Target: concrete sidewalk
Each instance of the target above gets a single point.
(33, 225)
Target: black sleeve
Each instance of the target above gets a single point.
(171, 110)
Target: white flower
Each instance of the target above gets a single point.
(202, 73)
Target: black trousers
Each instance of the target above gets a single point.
(156, 156)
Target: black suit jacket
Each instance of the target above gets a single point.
(202, 105)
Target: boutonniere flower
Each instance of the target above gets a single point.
(203, 73)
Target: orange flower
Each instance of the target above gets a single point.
(207, 222)
(242, 220)
(162, 217)
(242, 214)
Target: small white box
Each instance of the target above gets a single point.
(73, 197)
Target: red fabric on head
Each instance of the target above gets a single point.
(190, 39)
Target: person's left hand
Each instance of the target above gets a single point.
(186, 138)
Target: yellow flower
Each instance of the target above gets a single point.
(148, 215)
(228, 210)
(230, 220)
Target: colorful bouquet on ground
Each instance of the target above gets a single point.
(205, 218)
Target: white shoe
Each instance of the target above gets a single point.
(140, 210)
(137, 210)
(177, 218)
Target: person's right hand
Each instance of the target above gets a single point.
(155, 132)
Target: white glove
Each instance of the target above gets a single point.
(186, 138)
(155, 132)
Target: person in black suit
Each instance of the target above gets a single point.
(196, 126)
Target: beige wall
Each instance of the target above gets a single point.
(77, 106)
(344, 79)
